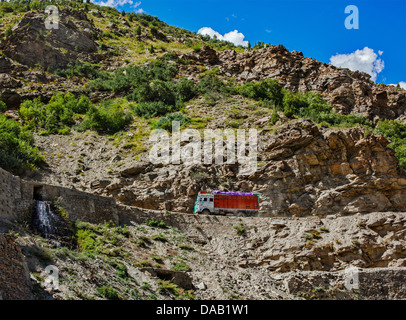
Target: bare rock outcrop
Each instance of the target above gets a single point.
(336, 171)
(31, 44)
(302, 170)
(15, 283)
(349, 91)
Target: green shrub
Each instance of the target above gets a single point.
(3, 106)
(156, 224)
(268, 89)
(239, 229)
(166, 122)
(121, 80)
(297, 104)
(146, 286)
(170, 56)
(108, 293)
(108, 118)
(274, 117)
(17, 150)
(167, 287)
(185, 90)
(391, 129)
(56, 116)
(165, 92)
(211, 83)
(99, 239)
(86, 240)
(8, 32)
(161, 91)
(121, 230)
(143, 264)
(311, 105)
(395, 132)
(121, 269)
(160, 237)
(161, 70)
(180, 266)
(186, 247)
(336, 119)
(157, 91)
(152, 109)
(81, 69)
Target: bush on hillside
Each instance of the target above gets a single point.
(128, 78)
(166, 122)
(167, 92)
(3, 106)
(268, 89)
(81, 69)
(211, 83)
(152, 109)
(108, 118)
(185, 90)
(395, 132)
(56, 116)
(17, 149)
(311, 105)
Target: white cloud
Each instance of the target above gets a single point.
(119, 3)
(233, 36)
(113, 3)
(365, 60)
(401, 84)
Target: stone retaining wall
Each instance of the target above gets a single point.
(17, 200)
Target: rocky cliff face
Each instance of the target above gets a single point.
(309, 171)
(303, 170)
(31, 50)
(348, 91)
(306, 171)
(15, 281)
(74, 39)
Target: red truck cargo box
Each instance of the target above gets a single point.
(236, 201)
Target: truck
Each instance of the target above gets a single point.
(227, 203)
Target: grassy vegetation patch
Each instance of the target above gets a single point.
(17, 150)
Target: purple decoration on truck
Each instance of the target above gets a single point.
(235, 193)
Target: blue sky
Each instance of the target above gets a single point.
(315, 27)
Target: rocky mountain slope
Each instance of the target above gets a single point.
(330, 170)
(305, 170)
(349, 91)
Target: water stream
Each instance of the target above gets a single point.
(45, 221)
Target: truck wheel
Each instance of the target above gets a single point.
(241, 214)
(206, 212)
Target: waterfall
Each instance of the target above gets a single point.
(45, 221)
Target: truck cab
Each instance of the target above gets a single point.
(204, 203)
